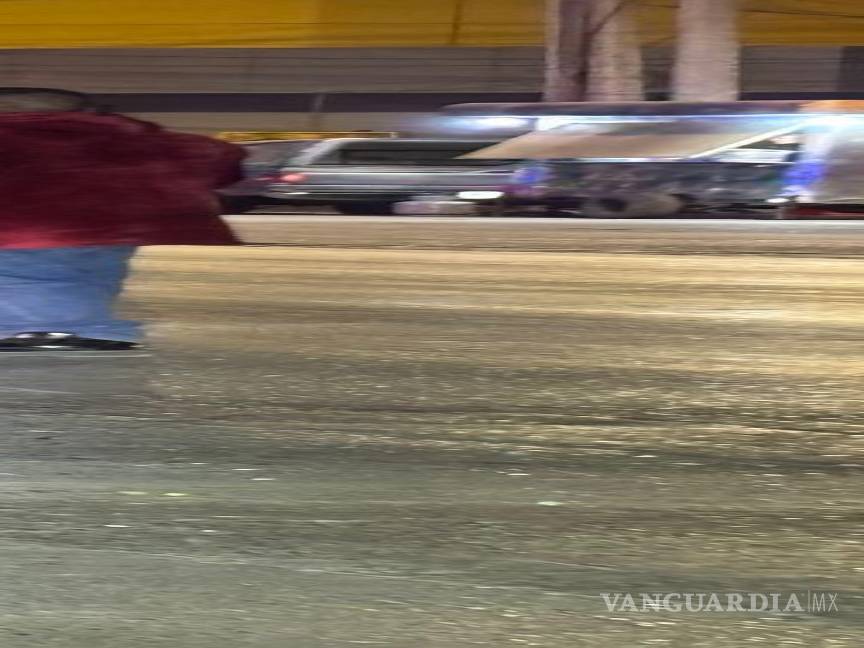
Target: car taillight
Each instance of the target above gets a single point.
(293, 177)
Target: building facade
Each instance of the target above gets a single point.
(211, 65)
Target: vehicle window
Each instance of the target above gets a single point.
(407, 154)
(277, 152)
(633, 140)
(772, 150)
(790, 142)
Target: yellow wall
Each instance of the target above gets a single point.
(351, 23)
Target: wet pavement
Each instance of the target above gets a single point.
(445, 433)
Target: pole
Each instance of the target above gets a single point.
(566, 40)
(456, 23)
(614, 53)
(708, 56)
(315, 123)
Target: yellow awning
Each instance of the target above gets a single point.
(353, 23)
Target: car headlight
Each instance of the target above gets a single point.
(480, 195)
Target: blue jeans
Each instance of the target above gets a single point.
(65, 290)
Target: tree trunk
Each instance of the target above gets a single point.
(615, 68)
(707, 65)
(566, 71)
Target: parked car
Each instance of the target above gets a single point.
(366, 176)
(262, 166)
(654, 166)
(648, 189)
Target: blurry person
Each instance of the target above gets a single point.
(80, 191)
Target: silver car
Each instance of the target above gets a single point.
(368, 176)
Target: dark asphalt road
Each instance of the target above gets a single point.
(449, 433)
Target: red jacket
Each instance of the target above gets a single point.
(74, 179)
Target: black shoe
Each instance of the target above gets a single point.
(44, 341)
